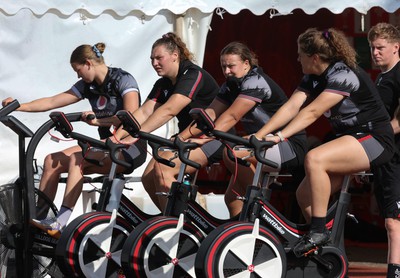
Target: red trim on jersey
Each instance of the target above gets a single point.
(196, 84)
(157, 94)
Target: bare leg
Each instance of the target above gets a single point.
(303, 195)
(77, 167)
(341, 156)
(242, 177)
(54, 165)
(74, 185)
(325, 166)
(393, 232)
(233, 204)
(148, 181)
(165, 175)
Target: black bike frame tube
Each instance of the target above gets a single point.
(28, 191)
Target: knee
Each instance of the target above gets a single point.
(76, 160)
(50, 164)
(392, 227)
(312, 160)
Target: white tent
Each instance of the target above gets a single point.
(38, 36)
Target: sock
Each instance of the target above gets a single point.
(63, 215)
(393, 271)
(318, 224)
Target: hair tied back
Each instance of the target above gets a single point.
(96, 51)
(325, 33)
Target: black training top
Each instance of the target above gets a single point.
(388, 84)
(258, 87)
(106, 99)
(361, 105)
(192, 81)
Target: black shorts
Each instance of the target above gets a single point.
(387, 188)
(378, 144)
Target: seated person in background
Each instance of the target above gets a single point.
(333, 85)
(108, 91)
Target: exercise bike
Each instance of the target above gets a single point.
(166, 246)
(24, 252)
(260, 244)
(91, 244)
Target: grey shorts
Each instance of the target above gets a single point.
(378, 154)
(213, 151)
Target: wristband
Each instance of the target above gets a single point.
(279, 134)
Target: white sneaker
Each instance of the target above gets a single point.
(48, 225)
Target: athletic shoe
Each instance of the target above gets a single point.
(48, 225)
(310, 242)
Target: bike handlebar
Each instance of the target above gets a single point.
(131, 125)
(184, 146)
(12, 106)
(156, 142)
(252, 142)
(61, 120)
(203, 120)
(13, 123)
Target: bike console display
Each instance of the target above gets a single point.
(131, 125)
(61, 122)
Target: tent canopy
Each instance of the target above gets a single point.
(153, 7)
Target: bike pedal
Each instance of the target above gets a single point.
(311, 252)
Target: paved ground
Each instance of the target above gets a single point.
(366, 260)
(367, 270)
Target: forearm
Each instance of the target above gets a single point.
(226, 122)
(190, 131)
(279, 120)
(302, 120)
(156, 120)
(48, 103)
(109, 121)
(38, 105)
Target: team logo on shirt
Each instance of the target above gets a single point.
(101, 102)
(315, 84)
(165, 92)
